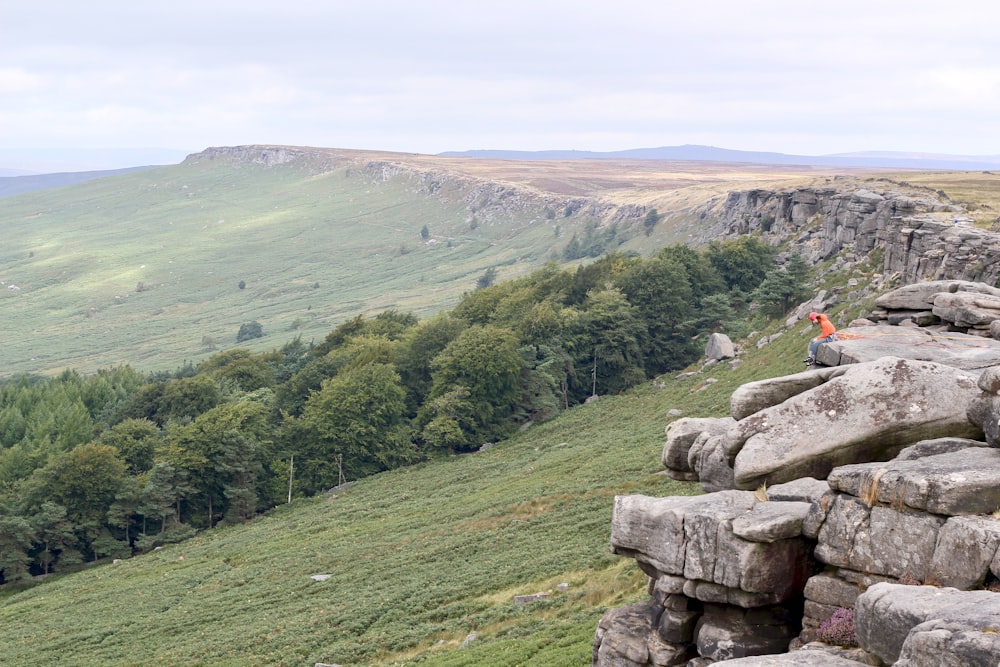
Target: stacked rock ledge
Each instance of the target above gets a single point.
(875, 487)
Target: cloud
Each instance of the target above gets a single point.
(427, 77)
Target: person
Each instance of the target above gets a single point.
(827, 333)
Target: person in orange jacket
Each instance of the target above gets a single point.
(827, 333)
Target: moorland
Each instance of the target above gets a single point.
(423, 560)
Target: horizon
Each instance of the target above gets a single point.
(26, 162)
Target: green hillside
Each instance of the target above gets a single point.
(419, 558)
(416, 561)
(146, 268)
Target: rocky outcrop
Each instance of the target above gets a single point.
(870, 412)
(917, 233)
(899, 530)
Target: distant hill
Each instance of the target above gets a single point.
(154, 267)
(15, 185)
(874, 159)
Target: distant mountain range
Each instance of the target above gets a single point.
(872, 159)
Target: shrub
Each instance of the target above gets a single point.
(249, 330)
(838, 629)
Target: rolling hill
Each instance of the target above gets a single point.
(145, 268)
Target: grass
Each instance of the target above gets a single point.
(144, 268)
(418, 558)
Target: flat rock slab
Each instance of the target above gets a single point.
(951, 484)
(948, 626)
(860, 344)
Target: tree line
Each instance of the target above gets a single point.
(120, 462)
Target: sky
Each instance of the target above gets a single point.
(118, 78)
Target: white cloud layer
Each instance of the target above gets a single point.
(773, 75)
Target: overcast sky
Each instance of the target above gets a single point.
(790, 76)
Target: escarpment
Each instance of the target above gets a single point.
(923, 238)
(851, 513)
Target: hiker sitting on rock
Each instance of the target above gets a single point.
(828, 332)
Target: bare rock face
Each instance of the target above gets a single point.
(926, 626)
(629, 637)
(694, 538)
(755, 396)
(965, 309)
(803, 658)
(868, 413)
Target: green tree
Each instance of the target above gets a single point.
(55, 536)
(452, 420)
(416, 352)
(661, 294)
(135, 440)
(425, 233)
(487, 279)
(126, 510)
(16, 538)
(649, 222)
(356, 418)
(84, 481)
(776, 292)
(484, 360)
(218, 451)
(741, 262)
(609, 342)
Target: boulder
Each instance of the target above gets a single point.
(869, 413)
(801, 658)
(709, 460)
(771, 521)
(878, 540)
(946, 626)
(682, 433)
(727, 632)
(920, 296)
(628, 637)
(924, 448)
(832, 591)
(963, 482)
(967, 309)
(755, 396)
(965, 550)
(805, 489)
(719, 347)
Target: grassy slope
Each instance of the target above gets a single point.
(313, 249)
(419, 557)
(316, 241)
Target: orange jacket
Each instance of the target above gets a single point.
(826, 327)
